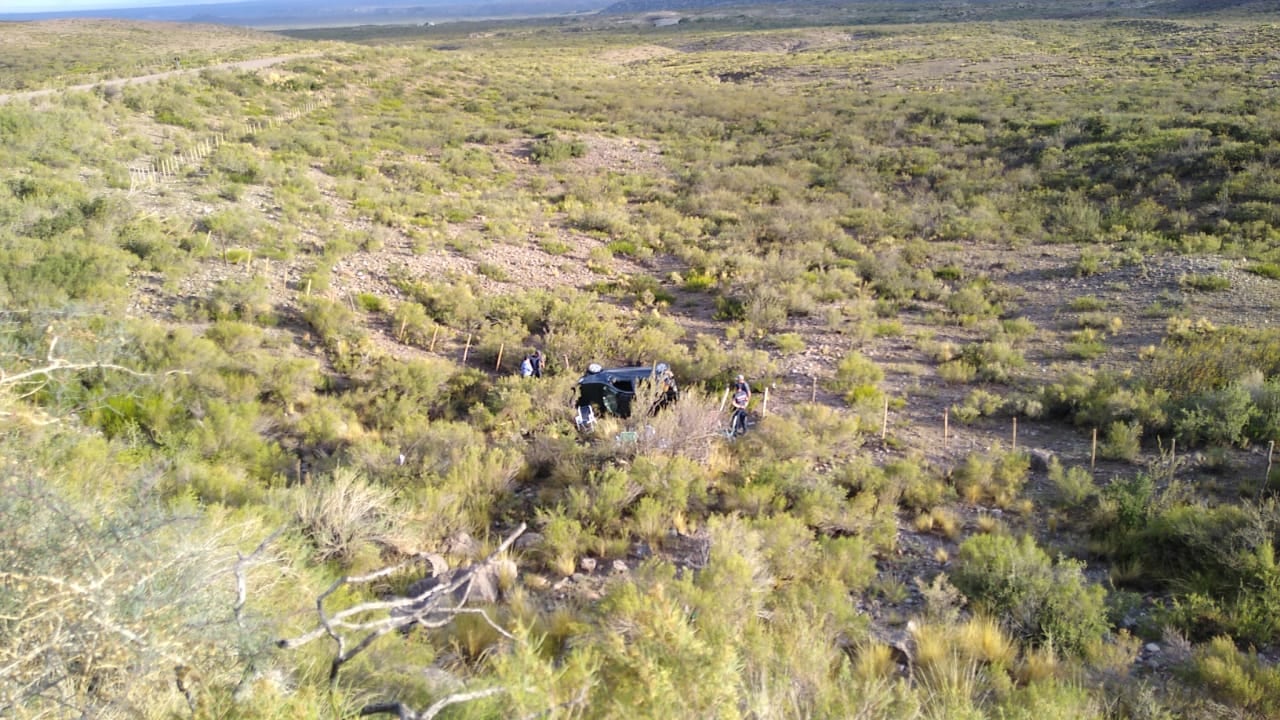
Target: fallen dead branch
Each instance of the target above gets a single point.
(356, 628)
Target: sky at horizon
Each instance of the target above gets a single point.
(42, 6)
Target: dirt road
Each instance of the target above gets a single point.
(256, 64)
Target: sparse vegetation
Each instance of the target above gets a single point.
(260, 330)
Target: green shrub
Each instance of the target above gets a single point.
(1269, 270)
(1205, 283)
(997, 477)
(858, 378)
(1036, 599)
(957, 371)
(1072, 486)
(1087, 303)
(1218, 417)
(246, 300)
(995, 361)
(1241, 680)
(1086, 344)
(370, 302)
(1122, 441)
(978, 403)
(787, 343)
(550, 149)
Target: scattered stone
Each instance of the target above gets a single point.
(1152, 648)
(620, 567)
(1040, 460)
(461, 545)
(588, 564)
(528, 540)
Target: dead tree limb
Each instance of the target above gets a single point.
(368, 622)
(55, 364)
(242, 563)
(404, 712)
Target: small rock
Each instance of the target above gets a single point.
(588, 564)
(1152, 648)
(620, 566)
(1040, 460)
(528, 540)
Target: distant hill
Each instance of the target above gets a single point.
(300, 13)
(928, 10)
(643, 6)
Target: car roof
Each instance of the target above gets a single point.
(611, 374)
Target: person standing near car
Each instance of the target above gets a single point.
(741, 397)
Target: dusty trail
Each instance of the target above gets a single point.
(254, 64)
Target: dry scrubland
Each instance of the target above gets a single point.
(237, 306)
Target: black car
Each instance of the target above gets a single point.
(612, 390)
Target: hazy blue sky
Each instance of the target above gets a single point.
(20, 6)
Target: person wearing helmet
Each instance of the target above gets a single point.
(668, 392)
(741, 397)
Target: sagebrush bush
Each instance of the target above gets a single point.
(1240, 679)
(346, 518)
(1035, 598)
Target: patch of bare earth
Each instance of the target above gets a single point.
(637, 54)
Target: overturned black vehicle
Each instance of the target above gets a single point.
(613, 390)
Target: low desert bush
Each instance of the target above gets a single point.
(1122, 441)
(1071, 486)
(1035, 598)
(997, 478)
(1239, 679)
(345, 517)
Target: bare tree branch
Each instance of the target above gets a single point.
(425, 609)
(242, 563)
(57, 364)
(404, 712)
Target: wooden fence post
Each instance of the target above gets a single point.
(1093, 454)
(946, 426)
(813, 394)
(434, 332)
(1015, 432)
(764, 410)
(884, 420)
(466, 349)
(498, 364)
(1266, 479)
(724, 399)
